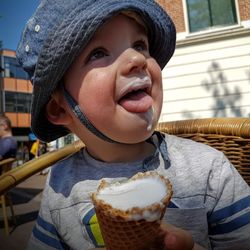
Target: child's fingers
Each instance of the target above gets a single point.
(177, 238)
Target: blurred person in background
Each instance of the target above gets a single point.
(8, 144)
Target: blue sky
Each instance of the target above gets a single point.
(13, 16)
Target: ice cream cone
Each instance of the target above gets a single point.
(135, 228)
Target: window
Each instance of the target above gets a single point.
(13, 69)
(204, 14)
(17, 102)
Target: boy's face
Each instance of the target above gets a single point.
(116, 83)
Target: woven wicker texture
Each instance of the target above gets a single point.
(229, 135)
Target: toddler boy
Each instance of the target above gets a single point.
(96, 72)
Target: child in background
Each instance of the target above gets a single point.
(8, 143)
(96, 72)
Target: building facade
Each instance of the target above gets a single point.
(15, 100)
(209, 74)
(15, 93)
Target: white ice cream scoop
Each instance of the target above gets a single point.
(129, 213)
(144, 196)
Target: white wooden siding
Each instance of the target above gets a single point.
(208, 80)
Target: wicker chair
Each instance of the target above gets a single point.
(17, 175)
(5, 199)
(230, 135)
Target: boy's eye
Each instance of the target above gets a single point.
(141, 45)
(97, 54)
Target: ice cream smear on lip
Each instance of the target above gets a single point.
(140, 194)
(134, 96)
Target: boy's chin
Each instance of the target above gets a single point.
(132, 129)
(133, 137)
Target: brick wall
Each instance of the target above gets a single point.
(175, 9)
(244, 9)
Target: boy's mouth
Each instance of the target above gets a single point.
(135, 96)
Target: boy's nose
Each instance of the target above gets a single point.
(132, 61)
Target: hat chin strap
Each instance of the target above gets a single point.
(83, 118)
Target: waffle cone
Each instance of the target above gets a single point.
(120, 232)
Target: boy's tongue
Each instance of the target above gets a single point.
(136, 102)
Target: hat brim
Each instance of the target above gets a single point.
(66, 40)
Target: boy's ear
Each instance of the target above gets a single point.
(56, 112)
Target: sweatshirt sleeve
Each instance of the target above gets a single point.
(45, 235)
(229, 222)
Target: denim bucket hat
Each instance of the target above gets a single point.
(60, 29)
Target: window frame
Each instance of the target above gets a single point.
(209, 29)
(13, 64)
(17, 102)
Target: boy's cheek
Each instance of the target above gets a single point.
(154, 68)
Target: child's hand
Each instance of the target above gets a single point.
(177, 239)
